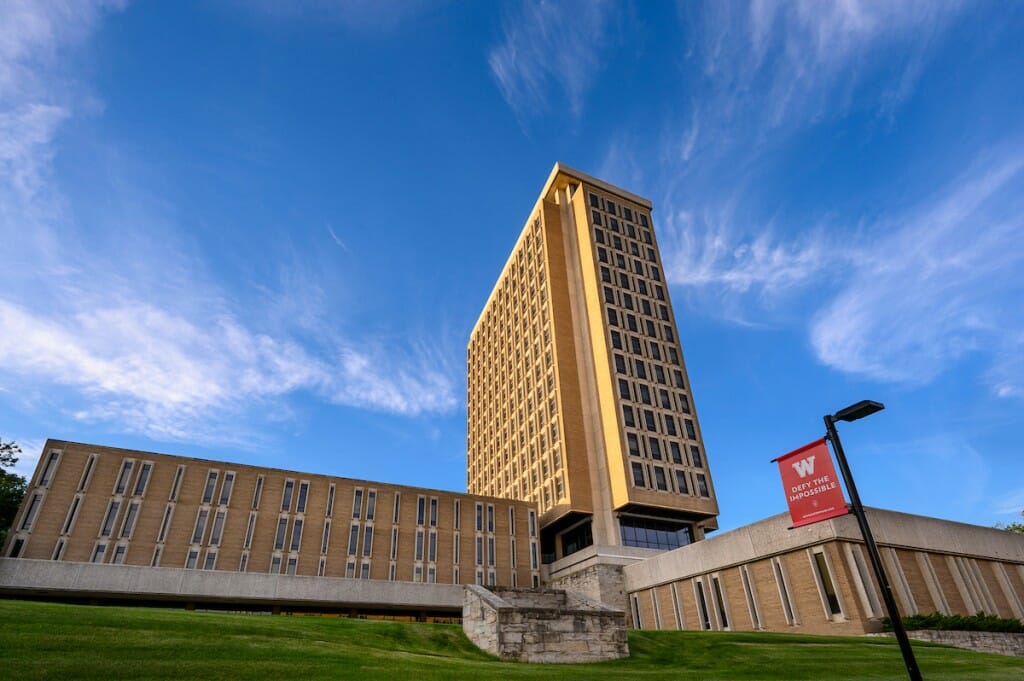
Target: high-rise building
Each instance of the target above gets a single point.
(578, 397)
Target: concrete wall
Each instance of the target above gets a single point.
(933, 566)
(543, 625)
(979, 641)
(25, 577)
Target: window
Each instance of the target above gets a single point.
(479, 550)
(648, 533)
(84, 481)
(433, 511)
(432, 546)
(300, 504)
(69, 521)
(633, 444)
(51, 465)
(275, 565)
(666, 401)
(479, 517)
(638, 474)
(211, 483)
(123, 476)
(645, 394)
(613, 317)
(421, 510)
(690, 432)
(654, 446)
(286, 496)
(357, 503)
(282, 529)
(624, 389)
(398, 502)
(681, 483)
(165, 523)
(457, 513)
(325, 539)
(419, 545)
(143, 480)
(108, 521)
(649, 420)
(616, 340)
(620, 364)
(243, 563)
(330, 501)
(720, 601)
(659, 478)
(296, 534)
(257, 492)
(350, 569)
(609, 295)
(129, 520)
(751, 596)
(211, 560)
(826, 588)
(702, 605)
(97, 553)
(698, 460)
(627, 416)
(702, 485)
(291, 565)
(490, 551)
(371, 504)
(190, 562)
(249, 529)
(532, 517)
(490, 517)
(677, 454)
(511, 520)
(367, 541)
(641, 369)
(670, 424)
(782, 583)
(353, 540)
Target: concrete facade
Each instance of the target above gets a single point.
(546, 625)
(579, 398)
(817, 579)
(94, 504)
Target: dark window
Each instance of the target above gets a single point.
(300, 503)
(702, 485)
(690, 432)
(652, 332)
(659, 292)
(659, 374)
(655, 448)
(627, 213)
(645, 394)
(594, 201)
(596, 216)
(684, 487)
(599, 235)
(623, 280)
(620, 261)
(650, 421)
(654, 534)
(613, 317)
(650, 255)
(698, 460)
(624, 389)
(638, 267)
(602, 254)
(620, 364)
(666, 401)
(673, 356)
(617, 242)
(641, 286)
(634, 343)
(655, 275)
(684, 403)
(677, 376)
(606, 274)
(627, 416)
(633, 444)
(609, 207)
(627, 301)
(826, 583)
(609, 295)
(641, 370)
(643, 221)
(631, 322)
(659, 479)
(638, 475)
(670, 425)
(616, 340)
(677, 454)
(645, 306)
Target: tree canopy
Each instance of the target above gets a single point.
(12, 487)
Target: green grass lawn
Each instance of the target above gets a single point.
(54, 641)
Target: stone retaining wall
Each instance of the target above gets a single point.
(980, 641)
(543, 625)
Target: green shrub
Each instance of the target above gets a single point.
(979, 622)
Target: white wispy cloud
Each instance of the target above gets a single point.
(146, 339)
(550, 50)
(794, 62)
(936, 284)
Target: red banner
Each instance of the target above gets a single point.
(811, 484)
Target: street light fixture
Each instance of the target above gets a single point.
(853, 413)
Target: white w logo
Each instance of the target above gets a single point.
(804, 467)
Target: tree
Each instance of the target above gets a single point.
(12, 487)
(1012, 527)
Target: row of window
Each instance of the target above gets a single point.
(662, 479)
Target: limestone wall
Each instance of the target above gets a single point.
(980, 641)
(547, 625)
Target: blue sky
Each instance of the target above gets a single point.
(242, 232)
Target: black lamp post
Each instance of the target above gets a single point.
(853, 413)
